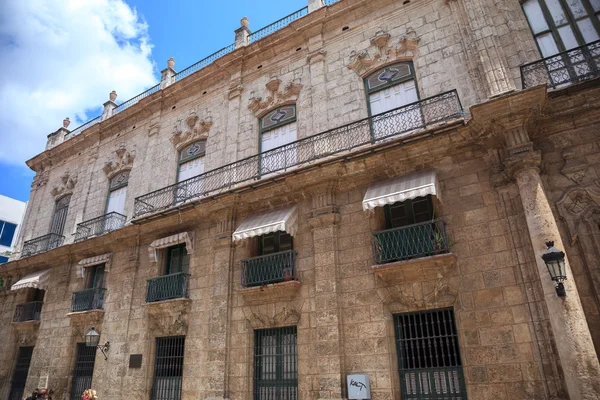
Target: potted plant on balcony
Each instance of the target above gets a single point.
(287, 274)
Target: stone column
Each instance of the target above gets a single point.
(328, 382)
(314, 5)
(571, 333)
(167, 77)
(242, 33)
(109, 106)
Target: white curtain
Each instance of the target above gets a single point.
(116, 201)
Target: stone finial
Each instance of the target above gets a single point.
(242, 33)
(66, 122)
(314, 5)
(244, 22)
(112, 96)
(171, 63)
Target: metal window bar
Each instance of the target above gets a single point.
(99, 225)
(392, 124)
(413, 241)
(271, 268)
(277, 25)
(429, 356)
(42, 244)
(88, 299)
(172, 286)
(83, 370)
(572, 66)
(276, 364)
(17, 387)
(168, 368)
(30, 311)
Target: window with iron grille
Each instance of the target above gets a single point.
(59, 218)
(278, 130)
(275, 364)
(429, 355)
(168, 368)
(20, 375)
(83, 371)
(408, 212)
(117, 193)
(274, 243)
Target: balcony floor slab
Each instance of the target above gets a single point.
(91, 317)
(417, 269)
(271, 293)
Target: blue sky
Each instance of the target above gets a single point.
(62, 58)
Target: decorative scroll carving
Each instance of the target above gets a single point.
(577, 205)
(64, 186)
(192, 129)
(574, 167)
(443, 294)
(316, 56)
(123, 160)
(235, 89)
(169, 317)
(288, 316)
(276, 97)
(382, 52)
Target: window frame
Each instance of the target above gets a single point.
(410, 211)
(174, 361)
(277, 236)
(262, 130)
(59, 205)
(168, 256)
(93, 275)
(180, 162)
(119, 185)
(369, 92)
(3, 227)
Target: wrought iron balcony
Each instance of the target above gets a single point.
(272, 268)
(100, 225)
(173, 286)
(88, 299)
(397, 123)
(412, 241)
(572, 66)
(42, 244)
(28, 311)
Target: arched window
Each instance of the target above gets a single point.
(560, 25)
(117, 193)
(278, 128)
(59, 217)
(391, 87)
(191, 160)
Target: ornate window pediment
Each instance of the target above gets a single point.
(276, 97)
(65, 186)
(122, 161)
(192, 129)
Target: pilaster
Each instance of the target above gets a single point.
(318, 87)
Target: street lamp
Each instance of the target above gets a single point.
(555, 262)
(92, 338)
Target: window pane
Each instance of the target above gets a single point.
(285, 241)
(595, 4)
(7, 234)
(547, 45)
(268, 244)
(577, 8)
(535, 16)
(568, 38)
(2, 261)
(587, 30)
(558, 14)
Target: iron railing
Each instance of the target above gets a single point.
(126, 104)
(271, 268)
(204, 62)
(88, 299)
(330, 2)
(168, 368)
(28, 311)
(276, 363)
(82, 127)
(100, 225)
(83, 370)
(412, 241)
(277, 25)
(395, 123)
(42, 244)
(572, 66)
(172, 286)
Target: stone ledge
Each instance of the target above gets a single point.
(270, 293)
(168, 307)
(89, 316)
(416, 270)
(168, 317)
(26, 326)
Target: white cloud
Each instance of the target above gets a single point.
(59, 58)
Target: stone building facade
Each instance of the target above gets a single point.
(365, 188)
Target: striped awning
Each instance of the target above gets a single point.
(96, 260)
(282, 219)
(36, 280)
(183, 237)
(402, 188)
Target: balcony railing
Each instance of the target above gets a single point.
(399, 122)
(88, 299)
(173, 286)
(42, 244)
(576, 65)
(100, 225)
(28, 312)
(272, 268)
(277, 25)
(412, 241)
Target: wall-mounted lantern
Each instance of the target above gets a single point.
(555, 262)
(92, 338)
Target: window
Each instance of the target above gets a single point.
(274, 243)
(560, 25)
(178, 260)
(7, 232)
(3, 260)
(83, 371)
(117, 193)
(278, 128)
(429, 356)
(19, 378)
(275, 364)
(408, 212)
(168, 368)
(59, 218)
(191, 161)
(96, 276)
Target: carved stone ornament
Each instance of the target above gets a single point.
(578, 205)
(235, 89)
(122, 161)
(191, 129)
(574, 167)
(288, 316)
(402, 298)
(64, 186)
(276, 97)
(26, 332)
(169, 317)
(382, 51)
